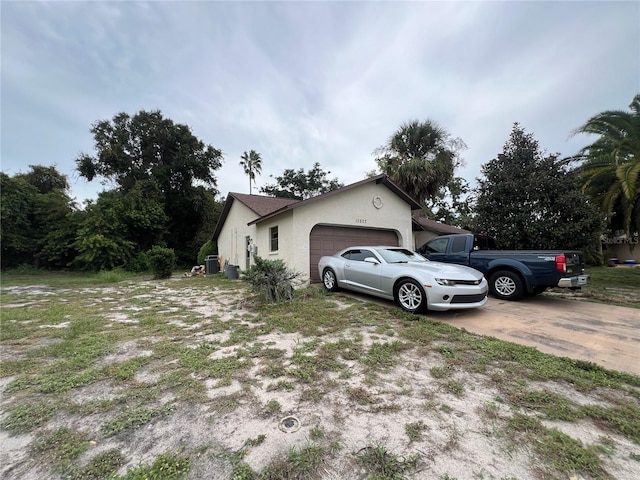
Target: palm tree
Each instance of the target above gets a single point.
(421, 158)
(611, 165)
(252, 164)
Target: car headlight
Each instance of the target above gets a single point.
(445, 281)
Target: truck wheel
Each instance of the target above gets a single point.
(410, 296)
(329, 280)
(506, 285)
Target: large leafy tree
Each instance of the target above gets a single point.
(301, 185)
(251, 162)
(421, 158)
(455, 206)
(530, 200)
(611, 165)
(170, 161)
(39, 219)
(120, 225)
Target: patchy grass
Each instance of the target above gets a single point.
(88, 363)
(610, 285)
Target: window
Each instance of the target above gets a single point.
(458, 245)
(357, 255)
(437, 245)
(273, 238)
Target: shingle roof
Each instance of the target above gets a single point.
(261, 204)
(437, 227)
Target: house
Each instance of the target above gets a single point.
(374, 211)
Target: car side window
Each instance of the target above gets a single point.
(437, 245)
(357, 255)
(458, 244)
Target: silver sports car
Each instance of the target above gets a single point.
(405, 277)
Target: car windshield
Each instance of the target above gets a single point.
(400, 255)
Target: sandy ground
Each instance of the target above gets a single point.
(604, 334)
(458, 442)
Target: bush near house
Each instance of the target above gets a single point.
(272, 278)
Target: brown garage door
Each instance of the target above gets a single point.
(327, 240)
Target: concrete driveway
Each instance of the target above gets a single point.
(603, 334)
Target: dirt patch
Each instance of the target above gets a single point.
(454, 413)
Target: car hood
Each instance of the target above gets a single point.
(448, 270)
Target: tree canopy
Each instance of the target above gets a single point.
(148, 146)
(421, 158)
(38, 219)
(611, 166)
(301, 185)
(165, 186)
(530, 200)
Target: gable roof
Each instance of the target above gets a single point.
(261, 205)
(378, 179)
(440, 228)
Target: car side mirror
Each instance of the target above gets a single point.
(372, 260)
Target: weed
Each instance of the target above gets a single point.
(273, 406)
(103, 465)
(25, 417)
(134, 418)
(414, 430)
(441, 372)
(453, 439)
(455, 387)
(383, 355)
(61, 448)
(298, 463)
(360, 395)
(384, 465)
(167, 466)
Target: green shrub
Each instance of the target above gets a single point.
(139, 263)
(271, 278)
(209, 248)
(162, 261)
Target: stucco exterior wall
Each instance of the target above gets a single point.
(368, 206)
(232, 239)
(622, 248)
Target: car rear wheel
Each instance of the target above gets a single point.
(410, 296)
(506, 285)
(329, 280)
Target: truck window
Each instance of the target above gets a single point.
(484, 242)
(437, 245)
(458, 244)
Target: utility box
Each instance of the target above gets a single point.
(231, 272)
(211, 264)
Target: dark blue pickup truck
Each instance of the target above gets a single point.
(511, 274)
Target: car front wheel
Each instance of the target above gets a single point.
(506, 285)
(410, 296)
(329, 280)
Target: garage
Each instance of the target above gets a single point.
(328, 239)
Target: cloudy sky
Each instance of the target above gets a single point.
(306, 82)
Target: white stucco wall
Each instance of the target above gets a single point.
(354, 207)
(231, 241)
